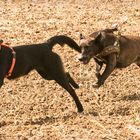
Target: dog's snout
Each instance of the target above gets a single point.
(81, 57)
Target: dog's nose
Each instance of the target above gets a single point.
(80, 57)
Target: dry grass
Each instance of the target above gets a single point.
(32, 108)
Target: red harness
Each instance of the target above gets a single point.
(13, 60)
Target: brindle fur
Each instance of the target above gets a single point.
(129, 53)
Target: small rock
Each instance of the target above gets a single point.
(2, 123)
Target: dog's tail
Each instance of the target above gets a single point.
(61, 40)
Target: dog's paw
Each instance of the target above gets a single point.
(76, 86)
(98, 85)
(80, 110)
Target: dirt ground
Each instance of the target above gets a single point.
(34, 109)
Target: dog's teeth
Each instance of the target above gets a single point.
(77, 58)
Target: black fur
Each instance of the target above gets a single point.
(41, 58)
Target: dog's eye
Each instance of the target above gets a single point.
(85, 49)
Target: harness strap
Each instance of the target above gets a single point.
(13, 60)
(108, 50)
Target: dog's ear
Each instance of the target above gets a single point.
(115, 29)
(81, 36)
(100, 37)
(111, 30)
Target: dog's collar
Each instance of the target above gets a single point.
(108, 50)
(13, 60)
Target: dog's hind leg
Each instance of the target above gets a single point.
(71, 81)
(54, 68)
(44, 75)
(64, 82)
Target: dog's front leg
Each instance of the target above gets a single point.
(1, 83)
(98, 69)
(3, 73)
(2, 76)
(111, 63)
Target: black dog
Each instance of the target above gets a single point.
(41, 58)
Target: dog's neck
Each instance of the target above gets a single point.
(115, 48)
(13, 60)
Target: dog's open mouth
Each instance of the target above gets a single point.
(83, 59)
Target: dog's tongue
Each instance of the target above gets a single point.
(85, 61)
